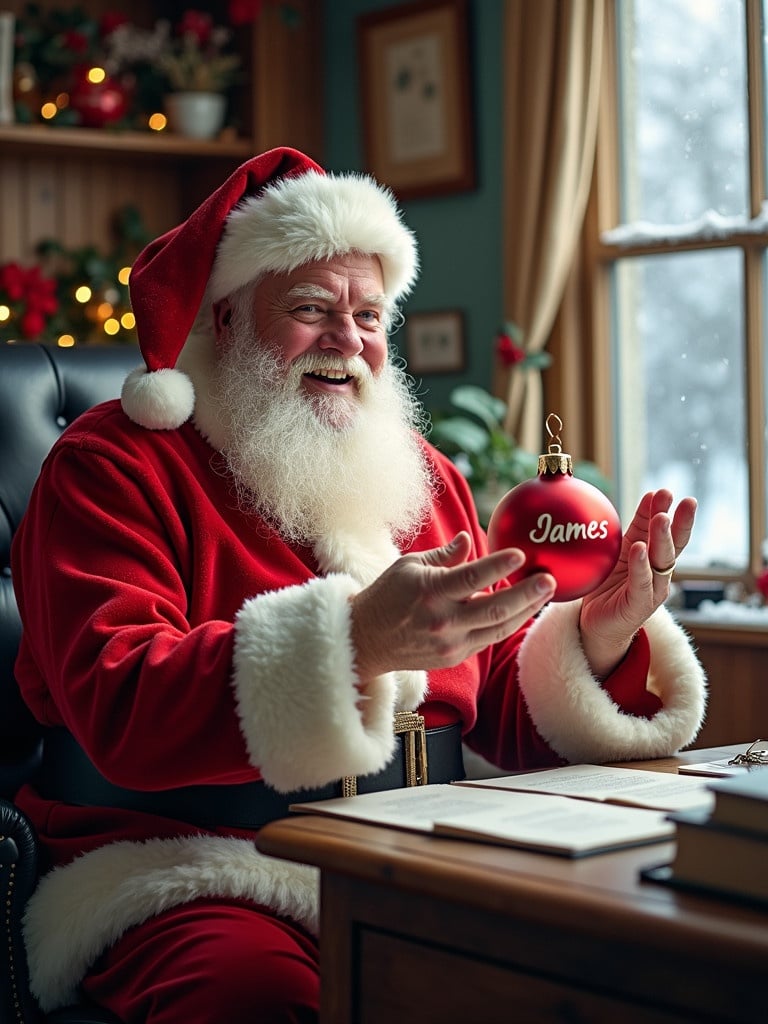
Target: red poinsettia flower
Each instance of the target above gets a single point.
(509, 353)
(198, 24)
(31, 297)
(762, 583)
(12, 278)
(241, 12)
(31, 324)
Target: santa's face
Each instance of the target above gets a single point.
(328, 308)
(317, 426)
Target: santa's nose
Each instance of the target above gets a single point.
(341, 335)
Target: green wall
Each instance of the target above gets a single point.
(459, 236)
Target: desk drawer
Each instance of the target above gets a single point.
(394, 974)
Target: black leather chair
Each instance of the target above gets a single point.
(42, 389)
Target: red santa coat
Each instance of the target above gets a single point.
(183, 642)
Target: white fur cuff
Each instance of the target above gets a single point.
(79, 910)
(576, 716)
(294, 679)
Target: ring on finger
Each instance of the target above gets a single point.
(663, 572)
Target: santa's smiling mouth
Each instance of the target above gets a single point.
(331, 377)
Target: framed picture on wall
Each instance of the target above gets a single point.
(434, 342)
(416, 107)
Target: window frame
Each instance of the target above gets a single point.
(599, 258)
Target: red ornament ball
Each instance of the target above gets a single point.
(98, 103)
(565, 527)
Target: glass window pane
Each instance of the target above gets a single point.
(683, 109)
(679, 345)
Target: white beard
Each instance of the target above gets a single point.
(314, 465)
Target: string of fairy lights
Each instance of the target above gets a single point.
(74, 296)
(103, 311)
(52, 109)
(103, 317)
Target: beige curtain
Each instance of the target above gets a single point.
(553, 54)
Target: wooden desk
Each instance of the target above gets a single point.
(422, 929)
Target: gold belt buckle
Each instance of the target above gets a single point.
(414, 748)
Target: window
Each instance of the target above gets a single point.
(682, 239)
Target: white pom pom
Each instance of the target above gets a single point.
(158, 400)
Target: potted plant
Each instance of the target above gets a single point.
(475, 439)
(199, 73)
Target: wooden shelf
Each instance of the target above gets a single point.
(66, 183)
(44, 140)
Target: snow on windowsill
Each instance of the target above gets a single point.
(710, 225)
(725, 613)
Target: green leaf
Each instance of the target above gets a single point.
(538, 360)
(515, 332)
(488, 409)
(460, 434)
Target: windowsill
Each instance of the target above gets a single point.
(727, 617)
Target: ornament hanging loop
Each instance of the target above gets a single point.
(556, 460)
(555, 445)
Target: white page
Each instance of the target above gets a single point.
(559, 824)
(533, 820)
(714, 769)
(659, 790)
(416, 807)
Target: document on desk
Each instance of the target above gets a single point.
(534, 821)
(661, 791)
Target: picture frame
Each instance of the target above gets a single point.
(435, 342)
(416, 104)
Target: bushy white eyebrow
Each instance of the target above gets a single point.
(309, 291)
(301, 292)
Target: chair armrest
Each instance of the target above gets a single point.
(18, 877)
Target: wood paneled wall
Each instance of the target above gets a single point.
(57, 188)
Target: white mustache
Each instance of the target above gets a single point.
(355, 366)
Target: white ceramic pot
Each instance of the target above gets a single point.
(196, 115)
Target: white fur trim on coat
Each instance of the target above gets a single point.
(314, 217)
(80, 909)
(576, 716)
(295, 684)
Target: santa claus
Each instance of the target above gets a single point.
(237, 578)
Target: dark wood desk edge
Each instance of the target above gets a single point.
(605, 887)
(692, 756)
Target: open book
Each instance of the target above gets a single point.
(534, 815)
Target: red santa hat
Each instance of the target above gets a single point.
(274, 213)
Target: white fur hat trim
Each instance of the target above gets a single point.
(313, 217)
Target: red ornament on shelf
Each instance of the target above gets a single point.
(99, 101)
(565, 526)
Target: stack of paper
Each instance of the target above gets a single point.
(571, 811)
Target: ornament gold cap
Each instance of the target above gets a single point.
(555, 460)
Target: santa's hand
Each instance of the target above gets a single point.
(429, 610)
(639, 583)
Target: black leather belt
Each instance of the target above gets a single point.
(67, 774)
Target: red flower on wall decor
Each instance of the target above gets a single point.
(510, 351)
(27, 302)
